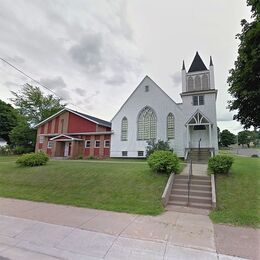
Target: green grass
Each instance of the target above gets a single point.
(117, 186)
(238, 194)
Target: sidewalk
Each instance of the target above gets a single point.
(32, 230)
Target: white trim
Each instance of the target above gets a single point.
(198, 111)
(66, 136)
(71, 111)
(84, 133)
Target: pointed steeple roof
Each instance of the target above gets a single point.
(197, 64)
(183, 65)
(210, 61)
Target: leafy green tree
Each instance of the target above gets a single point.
(23, 137)
(33, 105)
(8, 120)
(244, 79)
(227, 138)
(244, 137)
(157, 146)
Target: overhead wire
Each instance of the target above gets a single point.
(39, 83)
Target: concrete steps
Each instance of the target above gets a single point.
(200, 192)
(201, 155)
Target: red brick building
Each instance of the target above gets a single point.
(72, 134)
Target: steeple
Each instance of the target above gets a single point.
(183, 65)
(197, 64)
(210, 61)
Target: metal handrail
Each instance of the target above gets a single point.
(189, 181)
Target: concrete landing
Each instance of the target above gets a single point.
(197, 169)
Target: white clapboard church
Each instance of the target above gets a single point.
(149, 113)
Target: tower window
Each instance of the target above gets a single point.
(201, 100)
(195, 100)
(197, 83)
(190, 83)
(198, 100)
(205, 82)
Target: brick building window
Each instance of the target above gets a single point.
(87, 143)
(107, 143)
(97, 144)
(41, 139)
(50, 145)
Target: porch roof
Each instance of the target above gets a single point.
(65, 138)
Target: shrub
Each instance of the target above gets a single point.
(159, 146)
(22, 149)
(33, 159)
(254, 156)
(6, 150)
(220, 164)
(164, 162)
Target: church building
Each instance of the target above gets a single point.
(150, 114)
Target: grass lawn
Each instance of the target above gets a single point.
(117, 186)
(238, 194)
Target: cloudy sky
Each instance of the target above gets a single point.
(94, 53)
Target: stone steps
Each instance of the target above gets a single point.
(200, 192)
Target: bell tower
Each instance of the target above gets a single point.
(199, 104)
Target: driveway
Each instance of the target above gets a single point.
(32, 230)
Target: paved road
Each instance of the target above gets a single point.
(31, 230)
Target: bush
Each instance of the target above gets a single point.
(220, 164)
(33, 159)
(6, 150)
(254, 156)
(159, 146)
(21, 149)
(164, 162)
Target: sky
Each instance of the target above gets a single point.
(94, 53)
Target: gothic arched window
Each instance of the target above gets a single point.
(197, 83)
(124, 129)
(190, 84)
(205, 82)
(170, 126)
(146, 124)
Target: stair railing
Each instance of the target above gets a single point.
(189, 181)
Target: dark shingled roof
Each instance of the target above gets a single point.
(197, 64)
(99, 121)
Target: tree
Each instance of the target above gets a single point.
(159, 146)
(244, 79)
(33, 105)
(23, 137)
(244, 137)
(8, 120)
(227, 138)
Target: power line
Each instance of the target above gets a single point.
(36, 81)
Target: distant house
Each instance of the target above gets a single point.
(72, 134)
(2, 142)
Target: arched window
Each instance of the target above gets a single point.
(197, 83)
(190, 84)
(170, 126)
(146, 124)
(205, 82)
(124, 129)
